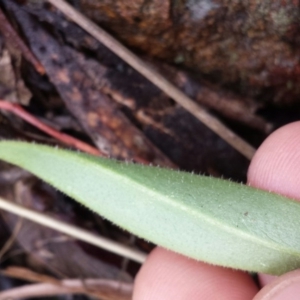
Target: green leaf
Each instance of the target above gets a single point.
(208, 219)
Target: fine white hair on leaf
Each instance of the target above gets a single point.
(213, 220)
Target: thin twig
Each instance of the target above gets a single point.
(67, 139)
(8, 244)
(12, 36)
(28, 275)
(102, 288)
(111, 290)
(73, 231)
(156, 78)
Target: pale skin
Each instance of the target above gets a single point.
(166, 275)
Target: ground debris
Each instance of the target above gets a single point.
(251, 46)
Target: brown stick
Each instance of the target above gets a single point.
(68, 140)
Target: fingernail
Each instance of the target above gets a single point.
(286, 287)
(290, 292)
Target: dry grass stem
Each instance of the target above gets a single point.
(73, 231)
(8, 244)
(65, 138)
(98, 288)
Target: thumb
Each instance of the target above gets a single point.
(284, 287)
(275, 167)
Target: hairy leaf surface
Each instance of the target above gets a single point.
(208, 219)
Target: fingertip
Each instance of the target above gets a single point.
(167, 275)
(276, 164)
(282, 288)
